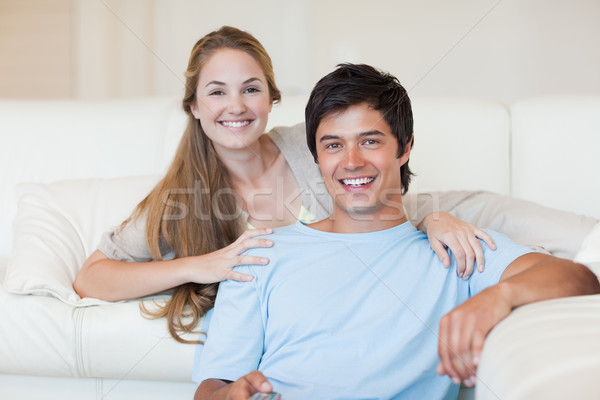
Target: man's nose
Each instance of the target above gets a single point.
(353, 158)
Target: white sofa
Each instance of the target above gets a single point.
(72, 169)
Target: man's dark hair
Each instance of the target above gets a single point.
(352, 84)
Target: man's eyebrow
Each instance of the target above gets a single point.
(247, 81)
(374, 132)
(362, 134)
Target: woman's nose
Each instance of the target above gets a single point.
(236, 105)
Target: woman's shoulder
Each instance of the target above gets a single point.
(288, 136)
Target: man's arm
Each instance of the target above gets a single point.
(530, 278)
(242, 389)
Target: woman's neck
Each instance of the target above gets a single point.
(250, 165)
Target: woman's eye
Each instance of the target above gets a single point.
(252, 90)
(216, 93)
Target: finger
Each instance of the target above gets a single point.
(251, 233)
(259, 382)
(439, 249)
(250, 243)
(478, 249)
(458, 251)
(469, 256)
(444, 352)
(460, 334)
(470, 382)
(238, 276)
(477, 348)
(440, 369)
(251, 260)
(486, 238)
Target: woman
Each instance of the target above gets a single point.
(227, 175)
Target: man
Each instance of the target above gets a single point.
(349, 306)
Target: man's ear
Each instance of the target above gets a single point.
(406, 155)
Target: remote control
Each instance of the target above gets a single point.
(265, 396)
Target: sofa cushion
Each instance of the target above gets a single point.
(46, 141)
(58, 225)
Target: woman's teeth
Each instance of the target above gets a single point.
(235, 124)
(357, 181)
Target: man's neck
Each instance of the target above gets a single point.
(358, 223)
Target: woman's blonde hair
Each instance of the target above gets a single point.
(193, 208)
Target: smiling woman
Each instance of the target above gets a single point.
(232, 98)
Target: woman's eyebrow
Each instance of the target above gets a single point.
(247, 81)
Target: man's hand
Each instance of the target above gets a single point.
(530, 278)
(242, 389)
(463, 331)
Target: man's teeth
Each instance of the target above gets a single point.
(235, 124)
(357, 181)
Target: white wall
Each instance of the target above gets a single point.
(502, 50)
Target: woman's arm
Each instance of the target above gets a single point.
(115, 280)
(446, 231)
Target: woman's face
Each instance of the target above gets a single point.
(232, 99)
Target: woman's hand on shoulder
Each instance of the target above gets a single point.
(218, 265)
(446, 231)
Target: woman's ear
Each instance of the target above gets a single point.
(194, 110)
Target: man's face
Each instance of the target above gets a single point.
(357, 154)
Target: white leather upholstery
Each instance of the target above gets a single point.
(460, 144)
(44, 141)
(556, 152)
(548, 350)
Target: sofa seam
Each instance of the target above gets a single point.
(79, 322)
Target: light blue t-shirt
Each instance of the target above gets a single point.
(343, 316)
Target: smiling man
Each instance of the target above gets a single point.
(357, 306)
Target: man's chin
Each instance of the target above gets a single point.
(361, 212)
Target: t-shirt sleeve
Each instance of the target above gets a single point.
(129, 243)
(235, 339)
(496, 261)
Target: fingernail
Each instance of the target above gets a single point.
(456, 381)
(265, 387)
(476, 360)
(269, 243)
(264, 260)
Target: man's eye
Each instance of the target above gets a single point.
(370, 141)
(333, 146)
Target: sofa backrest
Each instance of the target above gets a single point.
(45, 141)
(556, 152)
